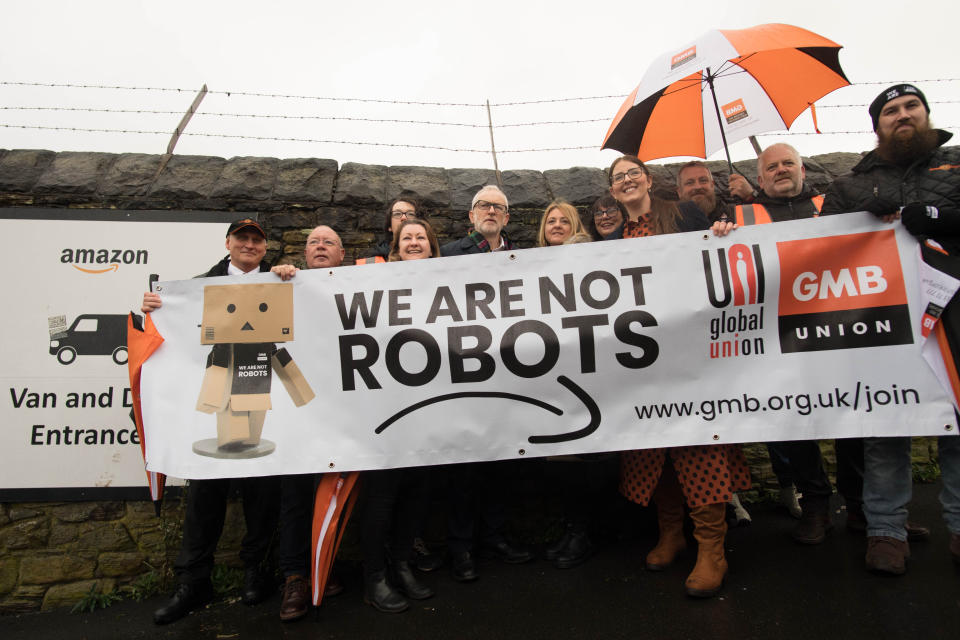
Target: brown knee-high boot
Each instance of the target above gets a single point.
(669, 501)
(710, 529)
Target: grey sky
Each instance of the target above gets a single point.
(419, 51)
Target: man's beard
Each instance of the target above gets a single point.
(706, 202)
(903, 151)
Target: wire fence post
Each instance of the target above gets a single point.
(179, 130)
(493, 148)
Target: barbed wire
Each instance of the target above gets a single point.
(242, 137)
(379, 144)
(259, 94)
(359, 119)
(291, 117)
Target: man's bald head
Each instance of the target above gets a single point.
(324, 248)
(780, 171)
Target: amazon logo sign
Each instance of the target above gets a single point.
(484, 333)
(102, 260)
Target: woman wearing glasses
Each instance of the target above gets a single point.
(606, 219)
(396, 499)
(397, 211)
(703, 477)
(560, 220)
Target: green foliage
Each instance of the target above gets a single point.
(925, 472)
(145, 586)
(226, 580)
(95, 600)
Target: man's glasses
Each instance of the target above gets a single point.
(316, 242)
(400, 215)
(483, 205)
(633, 174)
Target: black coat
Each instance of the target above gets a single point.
(882, 187)
(467, 245)
(691, 218)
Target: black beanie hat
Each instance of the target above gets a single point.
(892, 93)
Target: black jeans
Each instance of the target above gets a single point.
(203, 524)
(395, 505)
(296, 522)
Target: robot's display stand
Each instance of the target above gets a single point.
(210, 449)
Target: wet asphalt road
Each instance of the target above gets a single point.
(775, 589)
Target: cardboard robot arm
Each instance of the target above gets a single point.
(293, 380)
(214, 392)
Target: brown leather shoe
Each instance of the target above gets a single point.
(887, 555)
(916, 532)
(334, 586)
(296, 599)
(814, 521)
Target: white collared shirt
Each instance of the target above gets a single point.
(233, 270)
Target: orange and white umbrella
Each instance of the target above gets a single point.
(725, 86)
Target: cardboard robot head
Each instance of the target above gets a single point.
(247, 313)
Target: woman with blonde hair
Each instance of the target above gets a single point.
(560, 221)
(704, 477)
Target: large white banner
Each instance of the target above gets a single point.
(808, 329)
(71, 278)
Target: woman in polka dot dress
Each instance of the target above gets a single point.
(704, 477)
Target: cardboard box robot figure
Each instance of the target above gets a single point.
(242, 322)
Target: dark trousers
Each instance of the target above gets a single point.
(395, 505)
(806, 467)
(203, 524)
(297, 494)
(584, 484)
(475, 504)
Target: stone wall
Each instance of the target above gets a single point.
(294, 195)
(51, 554)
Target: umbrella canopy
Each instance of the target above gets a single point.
(727, 85)
(142, 340)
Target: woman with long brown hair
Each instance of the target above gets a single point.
(704, 477)
(396, 499)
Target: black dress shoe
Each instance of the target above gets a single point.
(402, 576)
(508, 553)
(256, 587)
(558, 547)
(378, 593)
(462, 566)
(578, 550)
(185, 599)
(423, 558)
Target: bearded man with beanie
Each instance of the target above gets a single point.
(913, 177)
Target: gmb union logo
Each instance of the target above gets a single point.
(843, 292)
(683, 57)
(735, 276)
(102, 260)
(734, 111)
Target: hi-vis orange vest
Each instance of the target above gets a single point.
(758, 214)
(373, 260)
